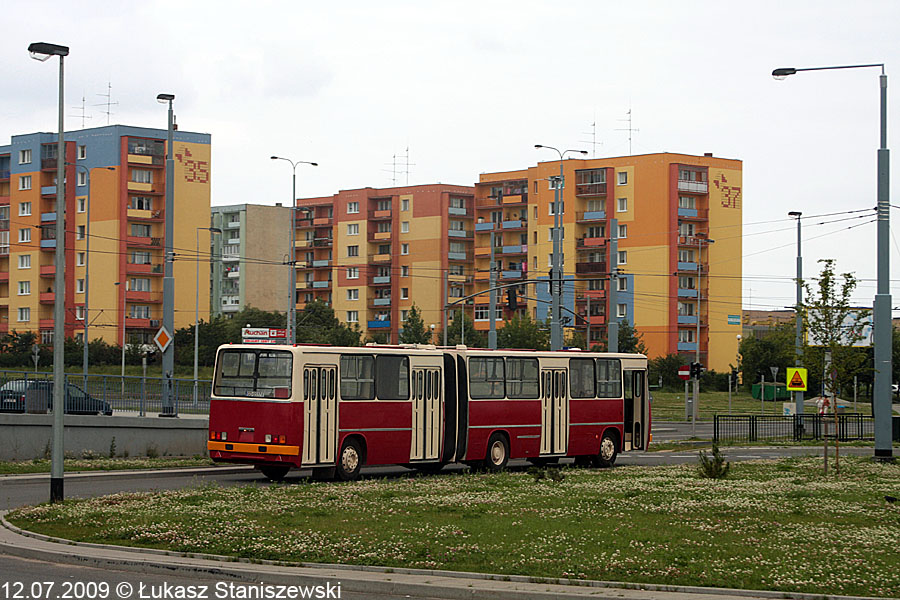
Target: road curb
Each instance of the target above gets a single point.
(450, 585)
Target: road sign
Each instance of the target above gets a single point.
(796, 379)
(734, 319)
(774, 371)
(162, 338)
(684, 372)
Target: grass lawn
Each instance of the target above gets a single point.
(103, 464)
(778, 525)
(669, 406)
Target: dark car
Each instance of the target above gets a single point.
(36, 395)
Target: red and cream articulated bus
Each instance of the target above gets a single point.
(335, 409)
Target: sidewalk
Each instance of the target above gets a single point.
(375, 580)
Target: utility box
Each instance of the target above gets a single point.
(773, 391)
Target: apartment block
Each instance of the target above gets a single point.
(249, 266)
(676, 222)
(372, 253)
(115, 230)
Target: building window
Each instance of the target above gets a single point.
(404, 249)
(623, 257)
(353, 229)
(142, 176)
(25, 235)
(79, 316)
(140, 284)
(80, 206)
(404, 315)
(352, 272)
(404, 293)
(622, 284)
(79, 286)
(144, 203)
(140, 312)
(24, 314)
(404, 271)
(686, 336)
(24, 182)
(686, 309)
(79, 259)
(353, 316)
(404, 227)
(25, 157)
(383, 227)
(404, 204)
(687, 202)
(24, 209)
(352, 208)
(82, 178)
(352, 250)
(622, 178)
(82, 152)
(353, 294)
(622, 311)
(24, 261)
(562, 208)
(685, 229)
(685, 256)
(79, 232)
(140, 258)
(456, 292)
(623, 231)
(596, 284)
(24, 288)
(621, 204)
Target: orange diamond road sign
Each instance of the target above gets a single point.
(796, 379)
(162, 339)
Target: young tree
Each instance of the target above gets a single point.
(414, 330)
(523, 332)
(458, 326)
(667, 367)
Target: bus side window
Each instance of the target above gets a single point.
(305, 385)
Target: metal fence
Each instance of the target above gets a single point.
(797, 428)
(29, 392)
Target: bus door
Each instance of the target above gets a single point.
(554, 411)
(635, 391)
(319, 414)
(427, 415)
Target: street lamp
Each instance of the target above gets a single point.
(556, 279)
(798, 338)
(700, 241)
(211, 230)
(292, 302)
(168, 355)
(881, 404)
(42, 51)
(124, 291)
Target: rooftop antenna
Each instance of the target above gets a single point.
(593, 133)
(109, 103)
(407, 164)
(629, 129)
(394, 167)
(83, 116)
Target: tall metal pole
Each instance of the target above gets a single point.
(59, 306)
(87, 274)
(212, 230)
(612, 323)
(446, 299)
(798, 337)
(492, 302)
(292, 300)
(168, 358)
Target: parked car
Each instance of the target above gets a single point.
(15, 395)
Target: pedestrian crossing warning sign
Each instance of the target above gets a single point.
(796, 379)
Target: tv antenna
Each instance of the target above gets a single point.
(83, 114)
(593, 133)
(629, 129)
(109, 103)
(395, 165)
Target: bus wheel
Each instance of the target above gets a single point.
(349, 461)
(274, 473)
(609, 449)
(497, 453)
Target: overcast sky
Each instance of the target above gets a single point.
(470, 87)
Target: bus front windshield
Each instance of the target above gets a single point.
(254, 373)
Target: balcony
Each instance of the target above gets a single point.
(379, 236)
(517, 249)
(459, 212)
(233, 224)
(687, 346)
(696, 214)
(144, 215)
(460, 234)
(379, 258)
(479, 227)
(380, 280)
(4, 175)
(590, 243)
(482, 276)
(687, 266)
(230, 256)
(322, 221)
(233, 274)
(4, 224)
(457, 256)
(49, 217)
(513, 200)
(323, 242)
(48, 164)
(45, 323)
(687, 293)
(453, 278)
(512, 274)
(590, 267)
(381, 302)
(693, 187)
(323, 262)
(47, 297)
(590, 189)
(321, 284)
(687, 319)
(233, 240)
(514, 224)
(377, 324)
(594, 294)
(303, 243)
(140, 296)
(380, 215)
(146, 188)
(590, 216)
(145, 242)
(4, 277)
(591, 319)
(48, 190)
(489, 202)
(304, 223)
(48, 244)
(130, 268)
(146, 160)
(482, 252)
(135, 323)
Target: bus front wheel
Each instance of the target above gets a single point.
(349, 461)
(497, 453)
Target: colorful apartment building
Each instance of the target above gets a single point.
(249, 266)
(372, 253)
(115, 174)
(678, 230)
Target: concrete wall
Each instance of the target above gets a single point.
(26, 436)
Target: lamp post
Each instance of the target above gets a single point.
(556, 279)
(42, 51)
(881, 404)
(211, 230)
(292, 302)
(168, 355)
(700, 242)
(798, 338)
(124, 291)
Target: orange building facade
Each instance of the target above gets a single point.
(678, 233)
(373, 253)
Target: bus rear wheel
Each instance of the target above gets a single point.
(497, 453)
(609, 450)
(349, 461)
(274, 473)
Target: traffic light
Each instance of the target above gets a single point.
(696, 370)
(511, 301)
